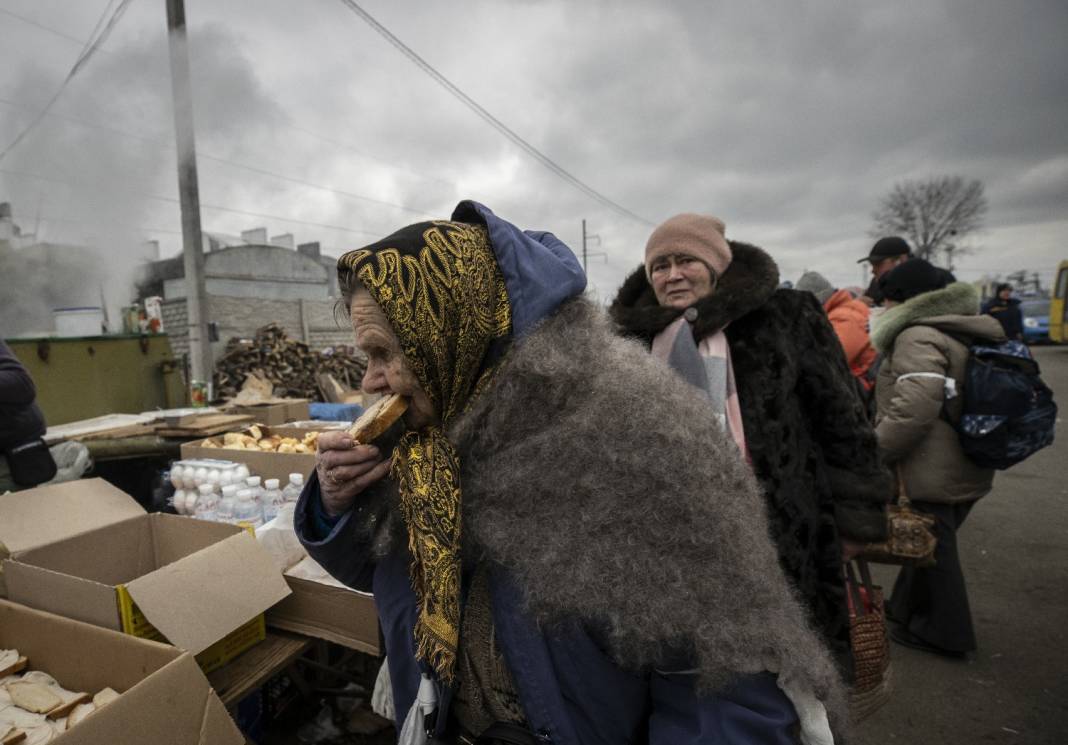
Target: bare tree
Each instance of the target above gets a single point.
(932, 214)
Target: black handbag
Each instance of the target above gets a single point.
(31, 463)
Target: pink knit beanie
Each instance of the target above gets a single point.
(700, 236)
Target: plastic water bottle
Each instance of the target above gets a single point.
(252, 483)
(207, 503)
(246, 511)
(293, 489)
(224, 513)
(272, 499)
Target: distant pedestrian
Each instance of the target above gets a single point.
(772, 369)
(924, 337)
(1006, 309)
(25, 460)
(886, 254)
(849, 317)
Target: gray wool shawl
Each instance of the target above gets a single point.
(591, 475)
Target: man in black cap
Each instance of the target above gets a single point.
(886, 254)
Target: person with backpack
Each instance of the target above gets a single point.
(924, 337)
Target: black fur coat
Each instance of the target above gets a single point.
(812, 447)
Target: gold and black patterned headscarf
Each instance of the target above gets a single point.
(445, 298)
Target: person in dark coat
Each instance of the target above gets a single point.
(887, 253)
(21, 422)
(548, 551)
(800, 417)
(1006, 309)
(924, 338)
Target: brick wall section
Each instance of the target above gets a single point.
(175, 319)
(238, 316)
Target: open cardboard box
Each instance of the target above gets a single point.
(26, 517)
(266, 464)
(164, 697)
(336, 614)
(276, 411)
(201, 586)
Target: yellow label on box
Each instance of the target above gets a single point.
(218, 654)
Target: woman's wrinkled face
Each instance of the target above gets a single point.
(387, 368)
(680, 280)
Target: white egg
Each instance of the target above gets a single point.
(200, 476)
(176, 476)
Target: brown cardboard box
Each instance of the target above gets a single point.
(164, 697)
(268, 465)
(201, 586)
(336, 614)
(278, 411)
(25, 516)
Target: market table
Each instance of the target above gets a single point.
(237, 679)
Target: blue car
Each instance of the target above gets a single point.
(1035, 321)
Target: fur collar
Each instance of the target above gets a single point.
(958, 299)
(595, 481)
(749, 281)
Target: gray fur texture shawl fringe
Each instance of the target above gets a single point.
(590, 475)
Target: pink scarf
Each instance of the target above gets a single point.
(706, 366)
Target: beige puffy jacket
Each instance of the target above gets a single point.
(923, 335)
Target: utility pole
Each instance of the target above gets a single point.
(589, 237)
(200, 361)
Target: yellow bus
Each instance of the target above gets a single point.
(1058, 307)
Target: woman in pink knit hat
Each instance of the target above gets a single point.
(770, 365)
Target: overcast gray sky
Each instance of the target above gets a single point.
(788, 120)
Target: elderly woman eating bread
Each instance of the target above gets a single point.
(555, 555)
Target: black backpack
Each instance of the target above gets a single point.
(1008, 412)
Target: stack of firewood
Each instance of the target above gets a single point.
(290, 366)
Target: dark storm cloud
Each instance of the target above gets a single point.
(788, 120)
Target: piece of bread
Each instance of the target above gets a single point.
(79, 713)
(105, 697)
(34, 697)
(11, 662)
(377, 419)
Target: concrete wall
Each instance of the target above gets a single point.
(259, 272)
(311, 321)
(252, 288)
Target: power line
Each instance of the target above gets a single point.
(57, 32)
(493, 121)
(284, 119)
(216, 207)
(95, 40)
(242, 166)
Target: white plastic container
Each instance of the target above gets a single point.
(84, 321)
(252, 483)
(207, 504)
(178, 501)
(247, 511)
(273, 500)
(293, 489)
(224, 512)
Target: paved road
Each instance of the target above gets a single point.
(1014, 548)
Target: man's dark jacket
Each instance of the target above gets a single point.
(1008, 314)
(20, 419)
